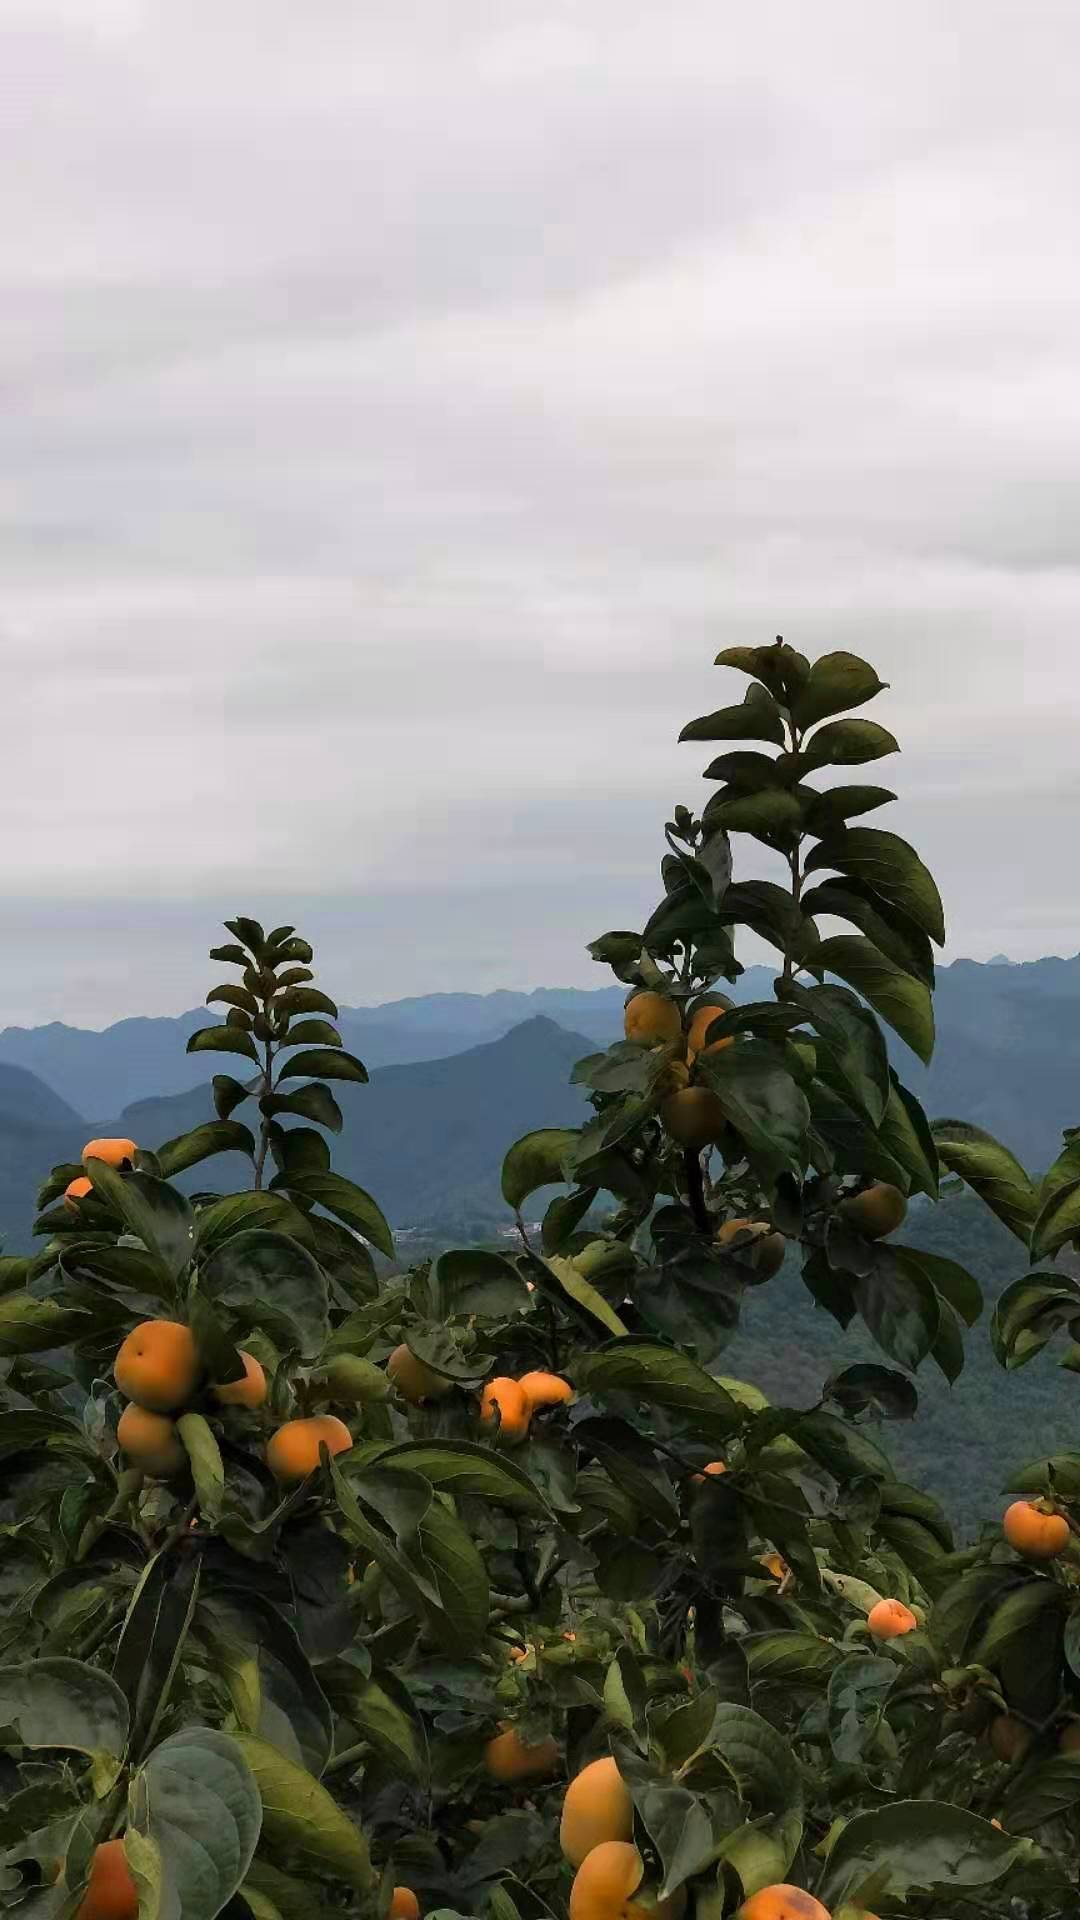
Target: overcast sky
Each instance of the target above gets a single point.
(402, 403)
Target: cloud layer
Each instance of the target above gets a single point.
(402, 404)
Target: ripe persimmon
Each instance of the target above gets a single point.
(710, 1472)
(294, 1450)
(694, 1117)
(650, 1018)
(1038, 1535)
(545, 1389)
(782, 1902)
(510, 1760)
(700, 1021)
(250, 1391)
(596, 1807)
(111, 1893)
(115, 1153)
(505, 1401)
(151, 1442)
(879, 1210)
(158, 1365)
(763, 1250)
(75, 1191)
(404, 1905)
(607, 1880)
(889, 1619)
(1009, 1738)
(415, 1381)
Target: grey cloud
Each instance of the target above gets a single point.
(402, 403)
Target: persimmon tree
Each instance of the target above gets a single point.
(435, 1543)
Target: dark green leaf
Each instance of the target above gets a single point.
(324, 1063)
(65, 1703)
(885, 926)
(900, 1307)
(152, 1210)
(659, 1376)
(193, 1821)
(312, 1033)
(216, 1136)
(828, 811)
(837, 682)
(223, 1040)
(901, 1000)
(758, 718)
(230, 996)
(990, 1170)
(349, 1203)
(920, 1844)
(891, 867)
(764, 1104)
(536, 1160)
(305, 1000)
(228, 1094)
(313, 1102)
(846, 743)
(270, 1281)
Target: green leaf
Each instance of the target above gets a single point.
(920, 1844)
(781, 670)
(312, 1033)
(858, 1690)
(28, 1325)
(856, 1043)
(461, 1467)
(759, 1756)
(1042, 1793)
(65, 1703)
(892, 868)
(758, 718)
(324, 1063)
(235, 956)
(445, 1552)
(240, 1211)
(223, 1040)
(904, 1002)
(763, 1102)
(536, 1160)
(207, 1469)
(660, 1376)
(313, 1102)
(349, 1203)
(228, 1094)
(272, 1685)
(396, 1735)
(156, 1213)
(193, 1821)
(770, 813)
(216, 1136)
(305, 1000)
(572, 1282)
(250, 932)
(892, 932)
(959, 1287)
(846, 743)
(788, 1658)
(270, 1281)
(899, 1305)
(473, 1280)
(905, 1131)
(828, 811)
(990, 1170)
(1058, 1200)
(302, 1821)
(837, 682)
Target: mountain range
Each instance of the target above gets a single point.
(456, 1077)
